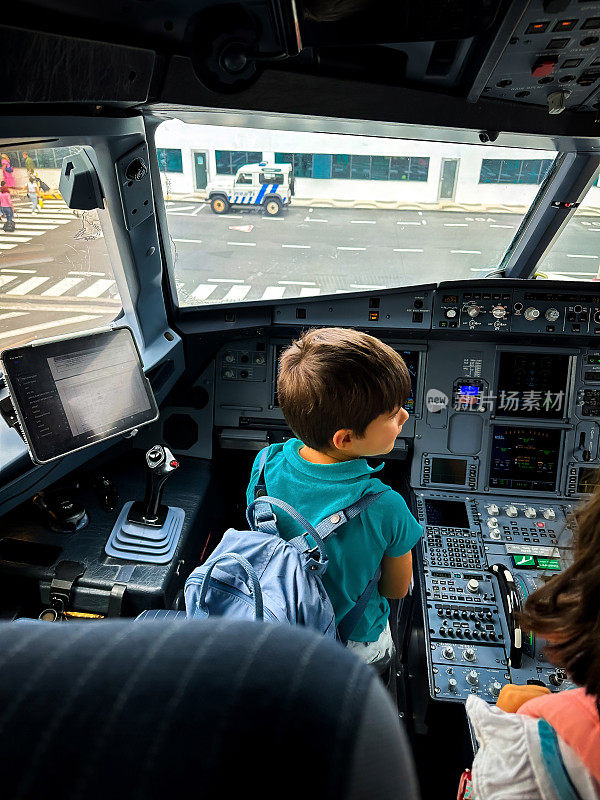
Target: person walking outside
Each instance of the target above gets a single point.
(32, 193)
(7, 208)
(29, 162)
(8, 173)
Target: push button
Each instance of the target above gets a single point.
(543, 66)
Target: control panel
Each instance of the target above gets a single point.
(480, 558)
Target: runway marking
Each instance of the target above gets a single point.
(4, 279)
(351, 248)
(273, 293)
(297, 283)
(61, 287)
(475, 252)
(456, 224)
(87, 274)
(307, 292)
(199, 209)
(170, 210)
(407, 250)
(510, 227)
(224, 280)
(13, 237)
(28, 286)
(203, 290)
(365, 286)
(57, 323)
(298, 246)
(97, 288)
(20, 271)
(236, 293)
(363, 222)
(11, 314)
(194, 241)
(409, 223)
(313, 219)
(242, 244)
(577, 255)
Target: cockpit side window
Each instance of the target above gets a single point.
(56, 275)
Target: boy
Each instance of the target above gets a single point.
(342, 393)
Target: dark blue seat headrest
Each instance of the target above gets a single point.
(180, 709)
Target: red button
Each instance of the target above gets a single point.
(174, 464)
(540, 524)
(544, 66)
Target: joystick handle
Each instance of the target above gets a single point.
(160, 463)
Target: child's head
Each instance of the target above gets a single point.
(342, 392)
(566, 609)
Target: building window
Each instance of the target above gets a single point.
(362, 168)
(169, 159)
(341, 166)
(302, 163)
(47, 158)
(509, 170)
(229, 161)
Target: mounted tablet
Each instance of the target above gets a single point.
(73, 392)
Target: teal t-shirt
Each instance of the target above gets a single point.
(318, 490)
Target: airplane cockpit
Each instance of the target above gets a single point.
(186, 188)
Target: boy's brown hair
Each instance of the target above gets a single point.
(332, 378)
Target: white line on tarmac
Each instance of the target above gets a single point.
(224, 280)
(88, 274)
(62, 287)
(297, 283)
(576, 255)
(408, 223)
(97, 288)
(308, 292)
(236, 293)
(198, 210)
(242, 244)
(510, 227)
(456, 224)
(407, 250)
(273, 293)
(54, 324)
(476, 252)
(203, 290)
(351, 248)
(28, 286)
(365, 286)
(313, 219)
(11, 314)
(194, 241)
(20, 271)
(4, 279)
(363, 222)
(592, 274)
(298, 246)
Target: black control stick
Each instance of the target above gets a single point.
(160, 463)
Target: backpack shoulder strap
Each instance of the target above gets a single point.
(331, 523)
(350, 621)
(554, 764)
(260, 488)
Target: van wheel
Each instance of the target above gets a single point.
(273, 206)
(220, 205)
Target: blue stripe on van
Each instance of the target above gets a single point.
(261, 194)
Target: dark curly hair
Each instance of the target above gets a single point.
(566, 609)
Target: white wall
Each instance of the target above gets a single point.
(469, 192)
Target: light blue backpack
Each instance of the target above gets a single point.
(256, 574)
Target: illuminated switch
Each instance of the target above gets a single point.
(543, 66)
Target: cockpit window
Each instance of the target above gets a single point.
(346, 213)
(576, 253)
(55, 274)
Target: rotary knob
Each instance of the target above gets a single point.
(470, 654)
(552, 314)
(492, 522)
(229, 358)
(530, 512)
(512, 511)
(493, 510)
(473, 586)
(495, 534)
(452, 684)
(499, 312)
(549, 513)
(495, 688)
(473, 311)
(229, 373)
(473, 678)
(448, 652)
(532, 313)
(450, 313)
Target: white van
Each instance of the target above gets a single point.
(269, 186)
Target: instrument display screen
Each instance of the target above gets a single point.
(446, 513)
(532, 385)
(525, 458)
